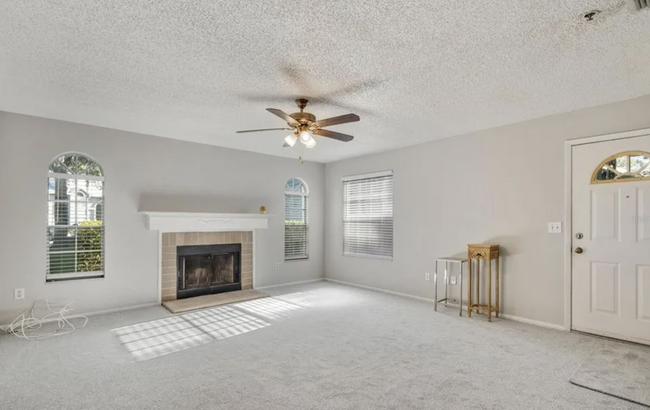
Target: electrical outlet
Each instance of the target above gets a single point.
(277, 265)
(453, 279)
(427, 276)
(19, 293)
(555, 227)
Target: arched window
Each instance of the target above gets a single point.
(296, 232)
(623, 167)
(75, 218)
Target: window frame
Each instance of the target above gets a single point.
(305, 195)
(57, 277)
(631, 177)
(368, 176)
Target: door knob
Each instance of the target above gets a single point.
(578, 250)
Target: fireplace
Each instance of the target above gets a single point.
(172, 242)
(208, 269)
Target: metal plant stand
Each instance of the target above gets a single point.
(448, 261)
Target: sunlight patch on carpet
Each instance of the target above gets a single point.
(164, 336)
(275, 308)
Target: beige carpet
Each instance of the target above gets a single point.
(200, 302)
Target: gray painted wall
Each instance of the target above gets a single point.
(501, 185)
(142, 172)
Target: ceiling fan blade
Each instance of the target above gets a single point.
(283, 115)
(265, 129)
(334, 135)
(285, 145)
(341, 119)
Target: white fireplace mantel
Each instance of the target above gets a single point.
(204, 222)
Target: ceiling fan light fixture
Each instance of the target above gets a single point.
(311, 142)
(305, 136)
(291, 140)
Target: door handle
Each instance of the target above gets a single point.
(578, 250)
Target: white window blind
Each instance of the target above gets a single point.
(368, 215)
(75, 218)
(296, 229)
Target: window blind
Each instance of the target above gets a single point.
(295, 226)
(368, 215)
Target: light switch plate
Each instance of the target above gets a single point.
(555, 227)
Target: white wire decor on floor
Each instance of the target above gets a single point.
(45, 319)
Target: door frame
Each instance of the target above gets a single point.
(568, 207)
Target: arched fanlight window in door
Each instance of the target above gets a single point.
(625, 166)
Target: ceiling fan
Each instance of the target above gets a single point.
(304, 126)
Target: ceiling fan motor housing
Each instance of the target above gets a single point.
(303, 117)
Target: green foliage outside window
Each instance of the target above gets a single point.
(90, 237)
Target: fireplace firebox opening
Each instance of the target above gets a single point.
(208, 269)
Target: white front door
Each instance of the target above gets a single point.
(611, 225)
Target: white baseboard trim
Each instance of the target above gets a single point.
(145, 305)
(121, 309)
(73, 314)
(390, 292)
(454, 305)
(301, 282)
(534, 322)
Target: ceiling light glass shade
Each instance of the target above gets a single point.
(291, 140)
(305, 136)
(311, 143)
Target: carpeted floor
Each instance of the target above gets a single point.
(322, 346)
(620, 369)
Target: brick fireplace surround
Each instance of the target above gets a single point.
(171, 240)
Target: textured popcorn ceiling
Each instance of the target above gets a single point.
(413, 70)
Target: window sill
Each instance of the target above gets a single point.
(365, 256)
(60, 277)
(305, 258)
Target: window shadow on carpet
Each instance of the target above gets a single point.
(164, 336)
(180, 332)
(279, 307)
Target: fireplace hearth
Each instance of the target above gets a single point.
(208, 269)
